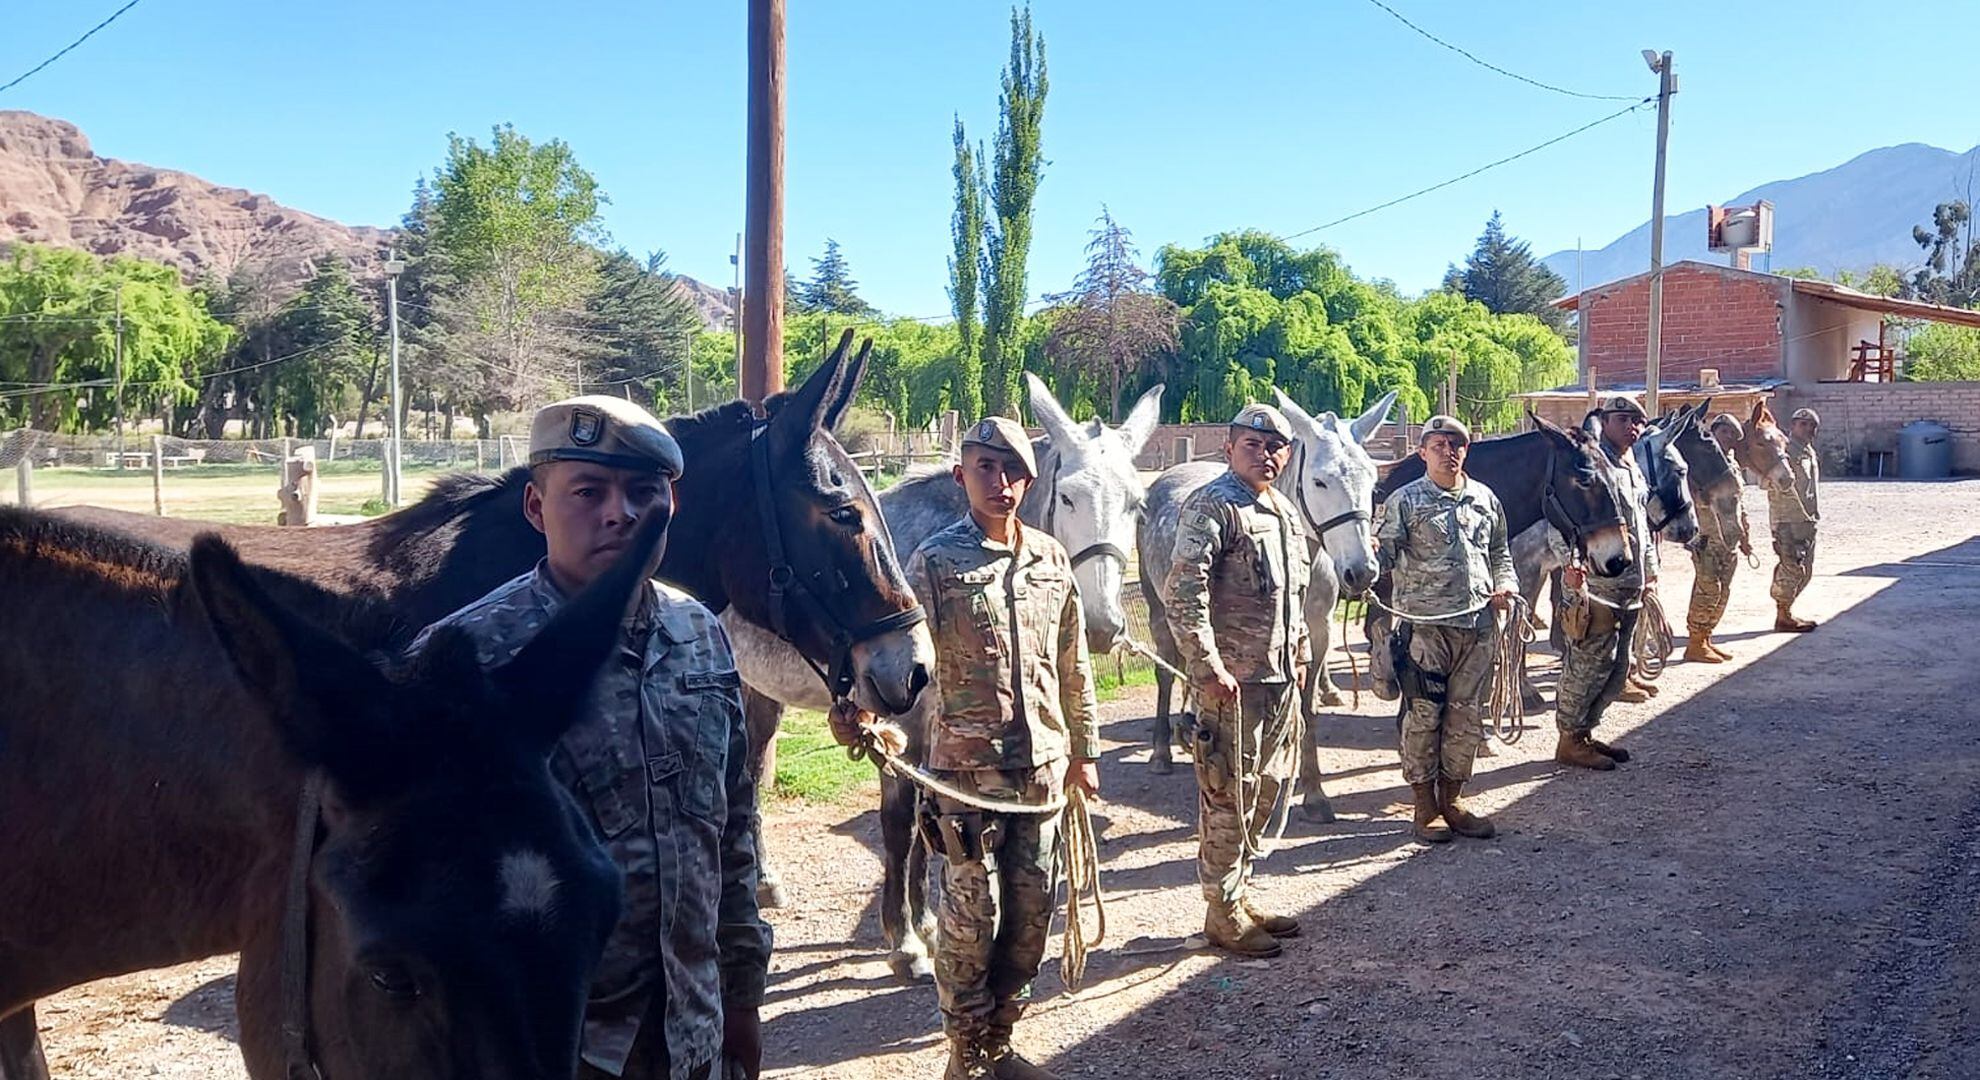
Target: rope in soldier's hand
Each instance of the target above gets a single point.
(1652, 643)
(1511, 634)
(1082, 855)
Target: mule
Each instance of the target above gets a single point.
(1331, 479)
(1088, 496)
(1762, 450)
(165, 714)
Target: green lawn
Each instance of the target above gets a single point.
(235, 494)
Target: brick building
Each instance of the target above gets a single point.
(1741, 335)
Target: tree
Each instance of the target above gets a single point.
(1951, 274)
(1016, 169)
(330, 332)
(832, 288)
(1502, 274)
(1112, 322)
(59, 338)
(966, 229)
(641, 329)
(1939, 352)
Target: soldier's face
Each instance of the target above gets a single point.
(1622, 429)
(1443, 455)
(587, 514)
(1724, 436)
(1805, 430)
(1258, 457)
(994, 480)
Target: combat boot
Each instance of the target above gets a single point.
(967, 1061)
(1229, 928)
(1574, 750)
(1427, 811)
(1462, 822)
(1633, 693)
(1786, 623)
(1279, 926)
(1008, 1064)
(1616, 752)
(1700, 651)
(1716, 650)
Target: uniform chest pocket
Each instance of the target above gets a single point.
(1262, 544)
(1474, 524)
(705, 710)
(617, 795)
(972, 612)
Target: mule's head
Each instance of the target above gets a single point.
(1668, 477)
(1332, 479)
(1763, 450)
(1581, 497)
(1089, 497)
(845, 583)
(458, 899)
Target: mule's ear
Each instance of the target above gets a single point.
(323, 697)
(549, 682)
(1759, 410)
(1704, 410)
(1050, 414)
(1547, 427)
(1141, 420)
(848, 389)
(1365, 425)
(1300, 417)
(805, 409)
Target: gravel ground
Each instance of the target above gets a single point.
(1785, 883)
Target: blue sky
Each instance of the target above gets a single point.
(1185, 118)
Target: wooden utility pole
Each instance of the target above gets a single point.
(1653, 369)
(762, 372)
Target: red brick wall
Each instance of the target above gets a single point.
(1712, 318)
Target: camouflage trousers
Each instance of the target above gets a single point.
(1231, 816)
(1595, 668)
(1713, 565)
(1794, 550)
(997, 890)
(1441, 738)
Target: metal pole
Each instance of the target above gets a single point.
(393, 266)
(762, 371)
(1653, 365)
(120, 375)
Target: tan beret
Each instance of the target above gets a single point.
(1263, 418)
(604, 431)
(1731, 423)
(1006, 434)
(1808, 414)
(1622, 403)
(1444, 425)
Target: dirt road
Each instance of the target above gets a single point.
(1785, 882)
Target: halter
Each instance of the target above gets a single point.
(1319, 528)
(1657, 467)
(787, 587)
(1557, 515)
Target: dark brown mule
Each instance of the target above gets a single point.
(163, 713)
(469, 535)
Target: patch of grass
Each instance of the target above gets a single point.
(811, 766)
(1110, 682)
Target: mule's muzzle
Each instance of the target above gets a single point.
(1356, 580)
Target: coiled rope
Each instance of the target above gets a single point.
(1510, 636)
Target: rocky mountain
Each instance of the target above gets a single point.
(55, 189)
(1851, 217)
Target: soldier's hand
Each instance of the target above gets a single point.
(1745, 546)
(1574, 577)
(1502, 600)
(1220, 688)
(1084, 775)
(846, 721)
(742, 1042)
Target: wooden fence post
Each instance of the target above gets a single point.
(24, 479)
(158, 475)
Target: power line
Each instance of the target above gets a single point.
(1489, 66)
(71, 45)
(1466, 176)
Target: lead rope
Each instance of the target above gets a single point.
(1652, 643)
(1511, 634)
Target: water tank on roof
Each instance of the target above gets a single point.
(1924, 451)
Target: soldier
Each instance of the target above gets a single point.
(1595, 665)
(658, 762)
(1016, 723)
(1713, 559)
(1236, 609)
(1794, 514)
(1443, 537)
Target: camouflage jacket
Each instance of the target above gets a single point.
(1237, 584)
(1011, 670)
(1446, 550)
(1633, 495)
(1797, 505)
(658, 761)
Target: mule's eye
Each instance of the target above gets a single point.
(1065, 498)
(396, 984)
(1319, 483)
(846, 515)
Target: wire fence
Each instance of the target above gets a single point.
(47, 449)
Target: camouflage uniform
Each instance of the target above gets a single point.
(1015, 693)
(1794, 515)
(1236, 604)
(658, 761)
(1714, 560)
(1446, 551)
(1595, 667)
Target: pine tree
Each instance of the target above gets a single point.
(832, 288)
(1502, 274)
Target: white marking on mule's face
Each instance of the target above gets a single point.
(529, 885)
